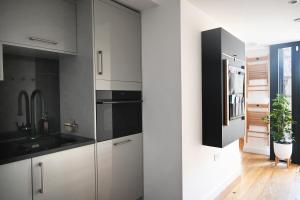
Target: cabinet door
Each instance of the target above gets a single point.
(127, 167)
(15, 181)
(117, 43)
(104, 158)
(41, 24)
(120, 168)
(67, 175)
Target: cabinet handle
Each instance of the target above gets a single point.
(100, 62)
(1, 63)
(118, 102)
(43, 40)
(226, 92)
(41, 190)
(121, 143)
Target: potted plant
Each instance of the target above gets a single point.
(280, 119)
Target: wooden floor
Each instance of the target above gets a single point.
(261, 180)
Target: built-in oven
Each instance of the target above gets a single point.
(119, 114)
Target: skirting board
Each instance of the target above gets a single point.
(258, 150)
(217, 192)
(223, 194)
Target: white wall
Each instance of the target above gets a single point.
(176, 164)
(162, 101)
(203, 178)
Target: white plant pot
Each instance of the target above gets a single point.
(283, 151)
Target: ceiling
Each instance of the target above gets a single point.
(257, 22)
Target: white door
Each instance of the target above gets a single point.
(117, 43)
(15, 181)
(67, 175)
(42, 24)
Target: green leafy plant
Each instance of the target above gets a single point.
(280, 119)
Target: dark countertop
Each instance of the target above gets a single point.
(24, 148)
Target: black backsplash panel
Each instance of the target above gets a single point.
(29, 74)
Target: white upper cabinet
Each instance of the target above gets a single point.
(39, 24)
(117, 44)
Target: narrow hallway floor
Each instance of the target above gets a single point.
(262, 180)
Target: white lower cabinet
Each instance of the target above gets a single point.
(120, 168)
(15, 181)
(66, 175)
(104, 157)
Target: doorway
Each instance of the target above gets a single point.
(285, 79)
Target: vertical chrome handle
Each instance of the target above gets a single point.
(41, 190)
(100, 62)
(43, 40)
(226, 91)
(1, 63)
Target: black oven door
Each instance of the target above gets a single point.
(119, 114)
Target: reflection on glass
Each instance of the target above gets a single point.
(285, 71)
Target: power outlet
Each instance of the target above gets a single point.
(216, 156)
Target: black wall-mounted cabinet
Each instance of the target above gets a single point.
(223, 88)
